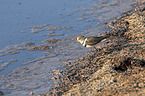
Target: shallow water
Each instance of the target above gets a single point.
(36, 21)
(16, 17)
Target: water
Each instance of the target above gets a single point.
(16, 17)
(85, 17)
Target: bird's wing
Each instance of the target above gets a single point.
(94, 40)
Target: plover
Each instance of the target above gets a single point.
(90, 42)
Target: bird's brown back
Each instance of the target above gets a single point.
(94, 40)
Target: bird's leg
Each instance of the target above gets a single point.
(89, 52)
(95, 48)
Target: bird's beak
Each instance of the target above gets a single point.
(75, 40)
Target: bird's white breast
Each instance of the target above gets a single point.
(84, 44)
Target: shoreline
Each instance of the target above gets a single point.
(55, 48)
(116, 69)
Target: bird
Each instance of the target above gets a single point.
(90, 42)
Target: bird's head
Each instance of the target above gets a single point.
(80, 39)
